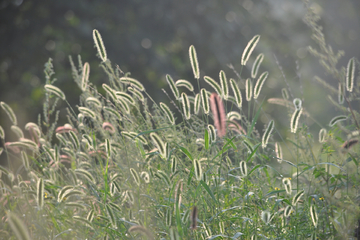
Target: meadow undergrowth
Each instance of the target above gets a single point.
(199, 167)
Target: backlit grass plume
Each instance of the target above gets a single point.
(322, 135)
(184, 83)
(18, 226)
(54, 90)
(256, 65)
(314, 216)
(224, 85)
(278, 152)
(248, 89)
(295, 120)
(118, 164)
(186, 105)
(99, 45)
(167, 112)
(287, 185)
(205, 101)
(350, 72)
(85, 76)
(40, 193)
(213, 84)
(267, 134)
(133, 83)
(194, 62)
(9, 112)
(249, 49)
(337, 119)
(259, 83)
(159, 144)
(172, 86)
(237, 92)
(197, 169)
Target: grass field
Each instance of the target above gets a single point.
(197, 167)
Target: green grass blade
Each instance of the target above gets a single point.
(253, 152)
(208, 190)
(178, 221)
(255, 119)
(206, 139)
(254, 168)
(184, 150)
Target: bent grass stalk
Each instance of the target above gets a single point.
(256, 65)
(186, 105)
(233, 115)
(9, 112)
(133, 83)
(93, 101)
(267, 134)
(249, 49)
(259, 83)
(137, 93)
(126, 97)
(167, 112)
(337, 119)
(237, 93)
(213, 84)
(184, 83)
(19, 133)
(55, 90)
(172, 86)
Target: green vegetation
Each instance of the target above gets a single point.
(126, 167)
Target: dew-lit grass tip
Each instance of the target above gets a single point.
(186, 105)
(167, 112)
(248, 89)
(213, 84)
(205, 101)
(224, 84)
(259, 84)
(99, 45)
(172, 86)
(55, 90)
(249, 49)
(267, 133)
(350, 72)
(237, 92)
(194, 62)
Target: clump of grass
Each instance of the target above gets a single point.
(122, 169)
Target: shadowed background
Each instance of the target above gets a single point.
(151, 39)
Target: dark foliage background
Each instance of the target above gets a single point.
(151, 38)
